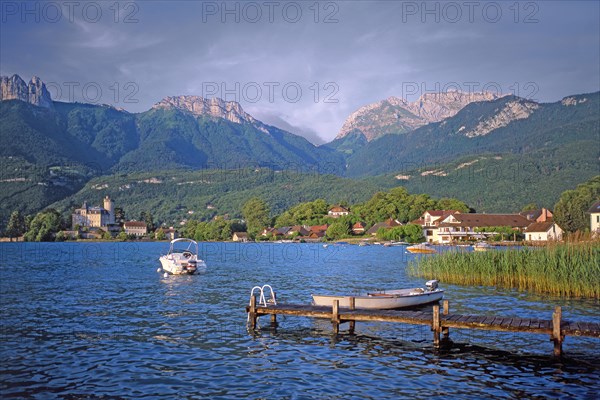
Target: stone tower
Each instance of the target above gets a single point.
(109, 205)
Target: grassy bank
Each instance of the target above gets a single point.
(565, 269)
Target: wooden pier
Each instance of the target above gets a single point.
(440, 323)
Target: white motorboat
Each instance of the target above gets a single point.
(421, 248)
(482, 246)
(182, 258)
(387, 299)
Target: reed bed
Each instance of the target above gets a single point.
(569, 269)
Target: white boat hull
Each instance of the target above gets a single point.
(383, 301)
(175, 267)
(182, 261)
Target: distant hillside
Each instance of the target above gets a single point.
(172, 196)
(497, 183)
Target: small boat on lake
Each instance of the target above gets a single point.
(482, 246)
(421, 248)
(182, 258)
(386, 299)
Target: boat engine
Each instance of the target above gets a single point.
(432, 284)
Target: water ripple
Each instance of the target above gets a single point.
(97, 321)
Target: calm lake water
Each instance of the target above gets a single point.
(95, 320)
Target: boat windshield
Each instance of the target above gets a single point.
(183, 246)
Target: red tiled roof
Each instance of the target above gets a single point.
(319, 228)
(540, 226)
(135, 224)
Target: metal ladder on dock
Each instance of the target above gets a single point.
(261, 297)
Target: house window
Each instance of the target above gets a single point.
(598, 218)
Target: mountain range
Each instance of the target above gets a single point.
(394, 115)
(50, 150)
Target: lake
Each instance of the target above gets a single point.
(96, 320)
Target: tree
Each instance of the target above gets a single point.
(122, 236)
(570, 213)
(44, 226)
(146, 216)
(119, 215)
(160, 234)
(339, 229)
(256, 213)
(16, 225)
(451, 204)
(106, 235)
(309, 213)
(413, 233)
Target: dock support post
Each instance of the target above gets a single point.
(557, 336)
(335, 316)
(352, 323)
(436, 325)
(446, 311)
(252, 312)
(273, 320)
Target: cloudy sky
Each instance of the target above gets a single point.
(303, 66)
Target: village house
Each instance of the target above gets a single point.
(317, 232)
(94, 217)
(541, 215)
(543, 231)
(358, 228)
(299, 230)
(595, 218)
(387, 224)
(338, 211)
(430, 221)
(170, 233)
(136, 228)
(460, 227)
(240, 237)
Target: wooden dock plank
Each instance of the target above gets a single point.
(461, 321)
(451, 317)
(515, 323)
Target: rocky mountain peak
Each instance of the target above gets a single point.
(34, 92)
(511, 111)
(214, 107)
(395, 115)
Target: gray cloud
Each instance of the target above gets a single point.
(318, 72)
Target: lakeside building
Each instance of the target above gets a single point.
(541, 215)
(430, 221)
(387, 224)
(338, 211)
(94, 217)
(358, 228)
(594, 212)
(448, 226)
(543, 231)
(240, 237)
(460, 227)
(136, 228)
